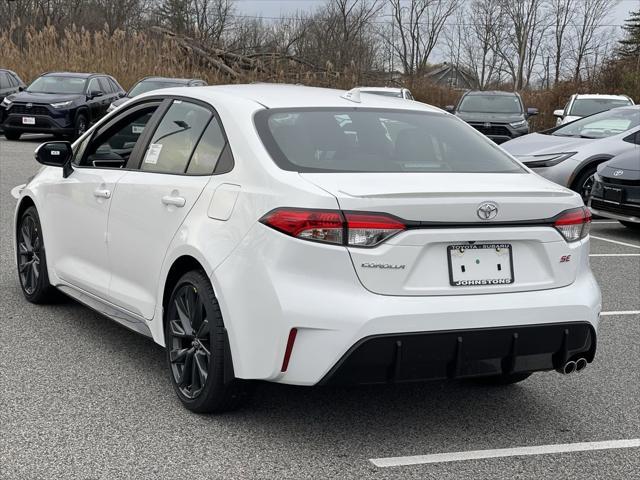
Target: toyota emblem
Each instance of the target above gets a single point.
(487, 125)
(617, 173)
(29, 105)
(487, 211)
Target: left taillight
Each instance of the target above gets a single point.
(574, 224)
(355, 229)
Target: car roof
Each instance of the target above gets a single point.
(73, 74)
(491, 92)
(274, 95)
(593, 96)
(170, 79)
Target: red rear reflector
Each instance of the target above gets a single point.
(287, 353)
(574, 224)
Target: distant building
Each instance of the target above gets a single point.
(450, 76)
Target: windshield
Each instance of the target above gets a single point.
(583, 107)
(148, 85)
(377, 140)
(490, 104)
(601, 125)
(57, 84)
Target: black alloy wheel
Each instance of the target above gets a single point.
(198, 352)
(585, 190)
(31, 259)
(29, 247)
(190, 343)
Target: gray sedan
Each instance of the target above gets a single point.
(570, 154)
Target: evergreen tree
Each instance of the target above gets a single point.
(630, 44)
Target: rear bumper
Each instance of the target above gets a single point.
(271, 284)
(481, 352)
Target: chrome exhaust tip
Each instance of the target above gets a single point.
(581, 364)
(567, 368)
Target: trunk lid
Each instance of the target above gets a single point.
(442, 209)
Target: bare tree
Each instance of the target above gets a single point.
(521, 45)
(419, 24)
(592, 16)
(563, 13)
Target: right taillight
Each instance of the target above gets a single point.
(574, 224)
(352, 229)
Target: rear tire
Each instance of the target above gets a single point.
(197, 348)
(631, 225)
(12, 135)
(32, 260)
(503, 380)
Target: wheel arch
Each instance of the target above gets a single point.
(179, 267)
(83, 110)
(588, 163)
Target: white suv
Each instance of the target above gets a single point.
(307, 236)
(580, 105)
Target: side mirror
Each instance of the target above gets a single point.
(95, 93)
(56, 154)
(450, 108)
(558, 113)
(531, 111)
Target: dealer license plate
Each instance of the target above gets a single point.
(480, 264)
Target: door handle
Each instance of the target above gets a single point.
(100, 193)
(175, 201)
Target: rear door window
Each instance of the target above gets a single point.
(206, 155)
(175, 138)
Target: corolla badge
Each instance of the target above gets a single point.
(487, 211)
(617, 173)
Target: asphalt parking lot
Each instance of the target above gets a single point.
(82, 397)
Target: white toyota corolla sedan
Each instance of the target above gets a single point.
(310, 236)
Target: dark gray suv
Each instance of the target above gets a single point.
(500, 116)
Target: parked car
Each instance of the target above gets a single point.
(250, 235)
(616, 188)
(60, 103)
(500, 116)
(581, 105)
(155, 83)
(388, 92)
(570, 154)
(10, 83)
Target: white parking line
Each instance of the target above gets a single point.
(505, 452)
(614, 255)
(621, 312)
(615, 241)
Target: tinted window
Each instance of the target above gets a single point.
(206, 154)
(490, 104)
(583, 107)
(175, 138)
(373, 140)
(105, 86)
(57, 84)
(113, 148)
(147, 85)
(633, 138)
(4, 80)
(94, 85)
(601, 125)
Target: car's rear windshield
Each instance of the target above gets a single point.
(377, 140)
(148, 85)
(57, 84)
(490, 104)
(588, 106)
(601, 125)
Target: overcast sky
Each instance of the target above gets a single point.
(274, 8)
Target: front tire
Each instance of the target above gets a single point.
(32, 259)
(12, 135)
(584, 182)
(80, 126)
(197, 348)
